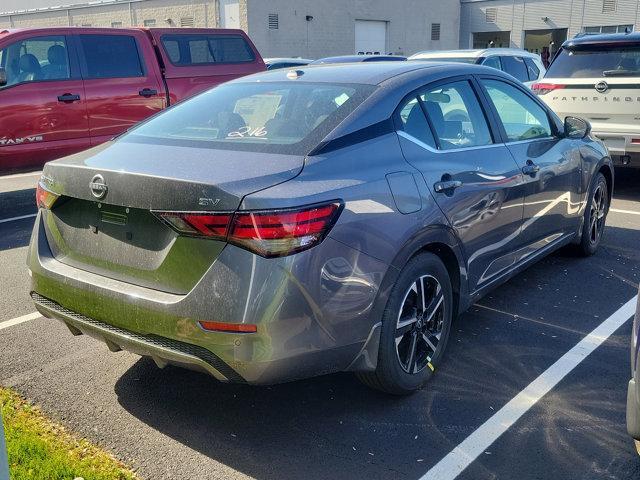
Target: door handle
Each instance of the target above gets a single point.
(147, 92)
(447, 186)
(530, 168)
(68, 97)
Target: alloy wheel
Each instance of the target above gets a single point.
(419, 324)
(597, 214)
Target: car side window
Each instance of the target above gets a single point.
(456, 116)
(111, 56)
(201, 49)
(36, 59)
(493, 62)
(532, 68)
(522, 117)
(515, 67)
(414, 123)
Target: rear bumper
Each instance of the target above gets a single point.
(633, 409)
(619, 143)
(312, 311)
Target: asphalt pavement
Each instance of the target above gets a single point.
(174, 423)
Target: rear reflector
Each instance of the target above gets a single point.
(269, 233)
(229, 327)
(544, 88)
(45, 198)
(635, 140)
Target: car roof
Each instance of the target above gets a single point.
(632, 38)
(286, 59)
(357, 58)
(368, 73)
(472, 53)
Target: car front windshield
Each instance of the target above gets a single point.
(596, 62)
(288, 117)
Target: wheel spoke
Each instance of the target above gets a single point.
(405, 326)
(411, 362)
(429, 341)
(420, 291)
(434, 305)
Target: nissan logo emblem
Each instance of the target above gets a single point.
(602, 87)
(98, 187)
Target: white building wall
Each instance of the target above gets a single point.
(332, 30)
(518, 16)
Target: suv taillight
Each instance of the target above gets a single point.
(544, 88)
(44, 197)
(269, 233)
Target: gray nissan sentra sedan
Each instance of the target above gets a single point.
(332, 218)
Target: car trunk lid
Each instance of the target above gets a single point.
(113, 232)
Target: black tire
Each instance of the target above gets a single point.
(598, 206)
(392, 374)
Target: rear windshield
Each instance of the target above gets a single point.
(603, 61)
(199, 49)
(267, 117)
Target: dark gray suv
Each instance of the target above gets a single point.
(302, 222)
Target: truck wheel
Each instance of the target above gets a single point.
(415, 327)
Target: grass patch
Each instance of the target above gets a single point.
(40, 449)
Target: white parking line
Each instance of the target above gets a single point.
(19, 320)
(21, 217)
(618, 210)
(475, 444)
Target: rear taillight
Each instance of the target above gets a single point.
(269, 233)
(44, 197)
(544, 88)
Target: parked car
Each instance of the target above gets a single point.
(360, 58)
(297, 223)
(526, 67)
(63, 90)
(276, 63)
(598, 77)
(633, 392)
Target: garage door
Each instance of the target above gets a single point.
(371, 36)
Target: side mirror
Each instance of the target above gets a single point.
(3, 77)
(575, 127)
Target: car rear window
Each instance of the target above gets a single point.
(596, 62)
(199, 49)
(266, 117)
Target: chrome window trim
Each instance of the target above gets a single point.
(420, 143)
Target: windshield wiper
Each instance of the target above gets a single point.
(621, 72)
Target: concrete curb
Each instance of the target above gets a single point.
(4, 461)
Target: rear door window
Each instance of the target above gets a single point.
(414, 123)
(515, 67)
(596, 62)
(36, 59)
(456, 116)
(202, 49)
(521, 116)
(110, 56)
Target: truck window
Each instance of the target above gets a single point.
(36, 59)
(111, 56)
(202, 49)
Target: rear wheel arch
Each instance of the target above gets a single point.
(607, 170)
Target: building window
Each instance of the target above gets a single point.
(273, 21)
(187, 22)
(609, 6)
(150, 23)
(435, 31)
(609, 29)
(491, 15)
(116, 24)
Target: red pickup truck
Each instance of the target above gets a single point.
(63, 90)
